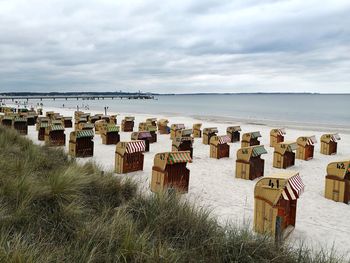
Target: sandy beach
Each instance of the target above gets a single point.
(320, 222)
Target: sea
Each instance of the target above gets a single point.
(317, 110)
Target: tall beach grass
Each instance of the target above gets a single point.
(55, 210)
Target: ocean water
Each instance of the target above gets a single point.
(313, 109)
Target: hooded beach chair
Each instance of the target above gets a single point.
(163, 127)
(208, 133)
(234, 133)
(169, 172)
(219, 147)
(249, 164)
(250, 139)
(275, 204)
(110, 134)
(305, 150)
(81, 143)
(329, 143)
(284, 156)
(144, 136)
(276, 136)
(197, 133)
(129, 156)
(338, 181)
(128, 124)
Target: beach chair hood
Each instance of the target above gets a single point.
(246, 153)
(130, 147)
(288, 186)
(331, 137)
(284, 147)
(276, 132)
(306, 140)
(340, 169)
(232, 129)
(222, 139)
(161, 160)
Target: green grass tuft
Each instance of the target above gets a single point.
(54, 210)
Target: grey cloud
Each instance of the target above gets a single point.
(178, 46)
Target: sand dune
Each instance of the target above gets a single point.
(320, 222)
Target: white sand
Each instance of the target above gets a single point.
(320, 222)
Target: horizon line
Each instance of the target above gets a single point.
(173, 94)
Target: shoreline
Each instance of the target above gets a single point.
(230, 120)
(322, 127)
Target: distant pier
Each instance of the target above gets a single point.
(77, 97)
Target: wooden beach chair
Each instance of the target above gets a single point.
(169, 172)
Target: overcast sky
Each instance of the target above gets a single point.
(179, 46)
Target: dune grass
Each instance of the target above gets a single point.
(54, 210)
